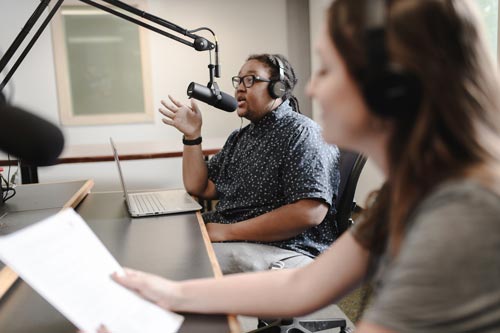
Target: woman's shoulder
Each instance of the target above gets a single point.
(447, 260)
(466, 206)
(471, 189)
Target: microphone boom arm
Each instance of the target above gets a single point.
(199, 43)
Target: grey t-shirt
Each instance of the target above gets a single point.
(446, 277)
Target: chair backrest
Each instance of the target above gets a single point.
(351, 164)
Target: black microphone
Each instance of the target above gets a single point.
(213, 97)
(30, 138)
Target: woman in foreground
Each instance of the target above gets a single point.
(415, 89)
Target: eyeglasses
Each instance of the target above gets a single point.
(248, 80)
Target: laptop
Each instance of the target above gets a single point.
(156, 202)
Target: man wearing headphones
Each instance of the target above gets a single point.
(275, 178)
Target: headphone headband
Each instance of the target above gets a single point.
(277, 88)
(281, 68)
(389, 90)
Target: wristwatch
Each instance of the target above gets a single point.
(194, 142)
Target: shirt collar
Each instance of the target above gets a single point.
(275, 115)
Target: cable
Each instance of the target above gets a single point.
(8, 188)
(203, 28)
(8, 172)
(241, 126)
(217, 69)
(213, 34)
(7, 197)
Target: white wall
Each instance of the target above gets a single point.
(371, 178)
(242, 27)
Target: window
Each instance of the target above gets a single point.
(489, 11)
(102, 72)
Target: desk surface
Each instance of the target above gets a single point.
(33, 203)
(127, 151)
(171, 246)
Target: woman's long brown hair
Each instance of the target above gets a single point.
(441, 42)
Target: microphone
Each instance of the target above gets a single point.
(212, 96)
(30, 138)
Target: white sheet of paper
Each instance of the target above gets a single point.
(63, 260)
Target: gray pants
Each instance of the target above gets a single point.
(249, 257)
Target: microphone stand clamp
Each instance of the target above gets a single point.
(213, 85)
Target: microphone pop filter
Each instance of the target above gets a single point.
(30, 138)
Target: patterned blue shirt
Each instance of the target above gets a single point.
(276, 161)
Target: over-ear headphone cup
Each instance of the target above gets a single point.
(390, 94)
(277, 89)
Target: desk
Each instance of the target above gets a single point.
(128, 151)
(173, 246)
(33, 203)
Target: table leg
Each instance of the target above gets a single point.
(29, 174)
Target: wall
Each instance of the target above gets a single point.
(371, 178)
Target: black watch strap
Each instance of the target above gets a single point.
(194, 142)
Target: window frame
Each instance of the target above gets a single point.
(67, 116)
(498, 35)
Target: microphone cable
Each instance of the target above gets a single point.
(7, 188)
(202, 28)
(216, 42)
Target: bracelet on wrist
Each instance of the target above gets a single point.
(194, 142)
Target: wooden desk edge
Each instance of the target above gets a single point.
(7, 276)
(80, 194)
(123, 157)
(7, 279)
(234, 325)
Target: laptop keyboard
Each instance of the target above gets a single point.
(148, 202)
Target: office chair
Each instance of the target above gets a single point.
(351, 165)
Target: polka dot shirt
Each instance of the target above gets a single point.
(276, 161)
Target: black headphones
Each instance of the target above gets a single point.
(388, 89)
(277, 88)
